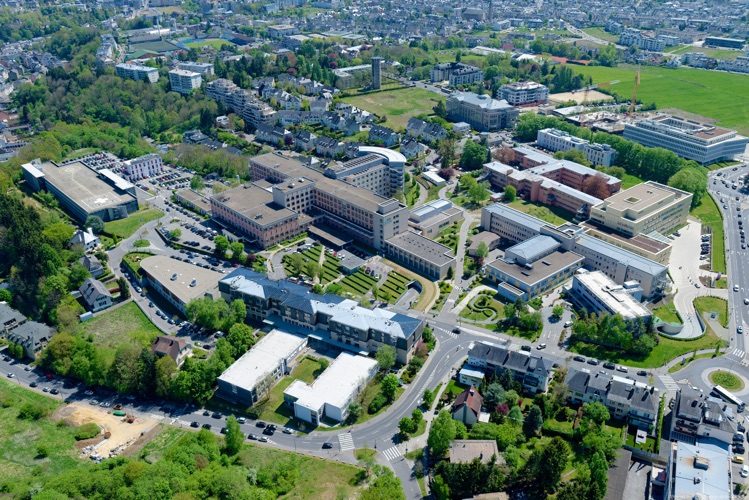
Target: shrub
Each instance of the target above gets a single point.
(42, 451)
(376, 404)
(87, 431)
(31, 411)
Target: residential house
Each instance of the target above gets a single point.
(696, 415)
(319, 104)
(425, 131)
(327, 146)
(32, 336)
(86, 239)
(9, 318)
(95, 295)
(467, 406)
(92, 265)
(532, 370)
(410, 147)
(175, 348)
(386, 135)
(338, 123)
(272, 135)
(305, 140)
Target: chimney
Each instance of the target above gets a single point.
(471, 391)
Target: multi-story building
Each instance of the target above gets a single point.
(697, 415)
(179, 282)
(193, 200)
(725, 43)
(701, 471)
(279, 31)
(738, 65)
(481, 111)
(432, 218)
(425, 256)
(596, 292)
(643, 209)
(252, 110)
(618, 264)
(635, 37)
(532, 370)
(205, 69)
(456, 73)
(625, 399)
(524, 93)
(137, 72)
(369, 172)
(558, 140)
(183, 81)
(143, 167)
(376, 72)
(689, 139)
(327, 318)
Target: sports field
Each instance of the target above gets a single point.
(398, 105)
(216, 43)
(715, 94)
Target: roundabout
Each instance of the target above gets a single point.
(728, 377)
(729, 381)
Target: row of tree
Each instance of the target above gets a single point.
(637, 336)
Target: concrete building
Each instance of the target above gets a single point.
(698, 471)
(376, 73)
(532, 268)
(95, 295)
(179, 282)
(426, 257)
(83, 192)
(32, 336)
(618, 264)
(724, 43)
(205, 69)
(330, 395)
(532, 370)
(481, 111)
(689, 139)
(279, 31)
(524, 93)
(175, 348)
(251, 109)
(193, 200)
(329, 319)
(596, 292)
(558, 140)
(143, 167)
(432, 218)
(627, 400)
(699, 417)
(738, 65)
(467, 406)
(137, 72)
(369, 172)
(183, 81)
(456, 73)
(645, 208)
(251, 377)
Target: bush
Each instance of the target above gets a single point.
(376, 404)
(42, 451)
(87, 431)
(31, 411)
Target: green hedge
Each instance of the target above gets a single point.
(87, 431)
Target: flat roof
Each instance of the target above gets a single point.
(626, 257)
(522, 218)
(337, 383)
(642, 196)
(254, 203)
(162, 269)
(83, 186)
(642, 241)
(184, 72)
(429, 250)
(542, 268)
(700, 472)
(262, 359)
(389, 154)
(616, 297)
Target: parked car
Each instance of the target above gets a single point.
(252, 437)
(579, 358)
(194, 424)
(328, 446)
(207, 426)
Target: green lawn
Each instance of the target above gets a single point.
(124, 228)
(602, 34)
(667, 313)
(216, 43)
(125, 324)
(727, 380)
(133, 259)
(679, 366)
(713, 304)
(398, 105)
(715, 94)
(19, 463)
(716, 53)
(630, 180)
(708, 213)
(552, 215)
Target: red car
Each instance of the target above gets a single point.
(49, 376)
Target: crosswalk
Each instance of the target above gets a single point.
(738, 353)
(392, 453)
(669, 382)
(346, 441)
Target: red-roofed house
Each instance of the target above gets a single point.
(467, 406)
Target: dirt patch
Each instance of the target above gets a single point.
(142, 441)
(593, 96)
(123, 435)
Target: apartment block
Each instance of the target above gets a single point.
(137, 72)
(183, 81)
(689, 139)
(205, 69)
(697, 416)
(558, 140)
(725, 43)
(532, 370)
(143, 167)
(645, 208)
(524, 93)
(481, 111)
(242, 102)
(456, 73)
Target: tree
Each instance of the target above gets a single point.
(311, 269)
(494, 394)
(574, 155)
(533, 421)
(78, 274)
(440, 110)
(124, 288)
(197, 183)
(597, 186)
(599, 473)
(389, 385)
(441, 433)
(473, 157)
(164, 372)
(354, 412)
(406, 426)
(428, 398)
(481, 252)
(446, 173)
(175, 233)
(446, 149)
(6, 296)
(511, 398)
(241, 337)
(386, 356)
(552, 462)
(510, 194)
(596, 412)
(385, 485)
(237, 249)
(296, 261)
(234, 436)
(95, 223)
(692, 180)
(515, 417)
(557, 311)
(478, 193)
(222, 245)
(417, 416)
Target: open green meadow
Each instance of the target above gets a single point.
(398, 105)
(602, 34)
(714, 94)
(216, 43)
(124, 228)
(123, 325)
(716, 53)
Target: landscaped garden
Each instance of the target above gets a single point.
(727, 380)
(359, 283)
(445, 290)
(483, 308)
(394, 286)
(667, 313)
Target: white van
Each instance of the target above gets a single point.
(567, 324)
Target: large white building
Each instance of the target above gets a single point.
(254, 374)
(143, 167)
(205, 69)
(558, 140)
(251, 109)
(481, 111)
(456, 73)
(596, 292)
(331, 394)
(698, 471)
(183, 81)
(137, 72)
(523, 93)
(689, 139)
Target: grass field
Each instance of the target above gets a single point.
(398, 105)
(718, 95)
(552, 215)
(133, 259)
(630, 180)
(20, 438)
(708, 213)
(216, 43)
(271, 409)
(707, 305)
(123, 325)
(727, 380)
(602, 34)
(124, 228)
(716, 53)
(667, 313)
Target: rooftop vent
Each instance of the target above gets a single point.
(193, 282)
(174, 277)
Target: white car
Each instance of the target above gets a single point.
(735, 288)
(744, 471)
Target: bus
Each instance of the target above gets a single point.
(723, 393)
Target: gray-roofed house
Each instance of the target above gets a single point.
(467, 406)
(96, 295)
(32, 336)
(410, 147)
(698, 416)
(9, 318)
(305, 140)
(532, 370)
(93, 265)
(387, 135)
(175, 348)
(86, 239)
